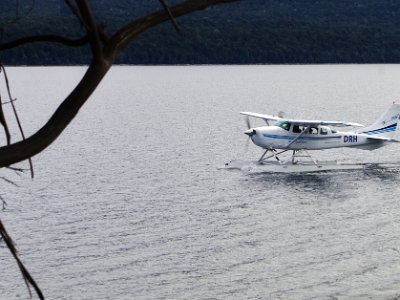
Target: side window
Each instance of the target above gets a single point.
(333, 131)
(297, 129)
(323, 131)
(313, 130)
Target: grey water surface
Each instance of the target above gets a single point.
(129, 202)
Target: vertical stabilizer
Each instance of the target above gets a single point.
(386, 125)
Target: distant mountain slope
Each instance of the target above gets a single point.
(249, 31)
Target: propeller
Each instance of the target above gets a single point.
(250, 131)
(247, 144)
(248, 122)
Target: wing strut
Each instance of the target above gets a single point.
(297, 137)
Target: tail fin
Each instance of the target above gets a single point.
(386, 125)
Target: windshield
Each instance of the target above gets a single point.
(283, 124)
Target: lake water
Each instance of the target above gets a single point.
(129, 202)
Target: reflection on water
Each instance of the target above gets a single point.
(329, 184)
(383, 173)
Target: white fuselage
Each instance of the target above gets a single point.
(315, 138)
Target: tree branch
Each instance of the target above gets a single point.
(103, 58)
(46, 38)
(64, 114)
(18, 17)
(3, 122)
(91, 28)
(74, 11)
(98, 68)
(25, 274)
(10, 98)
(129, 32)
(171, 16)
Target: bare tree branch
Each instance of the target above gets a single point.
(91, 28)
(25, 274)
(104, 53)
(17, 171)
(17, 13)
(166, 7)
(97, 70)
(4, 203)
(16, 9)
(129, 32)
(18, 16)
(9, 181)
(58, 122)
(74, 11)
(46, 38)
(3, 122)
(15, 114)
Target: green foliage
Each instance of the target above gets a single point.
(246, 32)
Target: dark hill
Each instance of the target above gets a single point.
(246, 32)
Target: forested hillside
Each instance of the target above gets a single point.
(247, 32)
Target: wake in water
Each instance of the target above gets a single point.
(255, 167)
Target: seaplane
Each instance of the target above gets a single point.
(281, 135)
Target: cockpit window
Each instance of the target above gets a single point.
(323, 131)
(283, 124)
(333, 131)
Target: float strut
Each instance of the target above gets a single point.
(294, 153)
(262, 156)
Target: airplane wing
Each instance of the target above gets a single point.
(260, 116)
(303, 122)
(328, 123)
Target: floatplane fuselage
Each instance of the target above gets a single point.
(281, 136)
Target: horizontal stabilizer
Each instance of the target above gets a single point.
(383, 139)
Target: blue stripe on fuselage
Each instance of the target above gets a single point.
(285, 137)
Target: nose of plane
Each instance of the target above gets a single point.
(250, 132)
